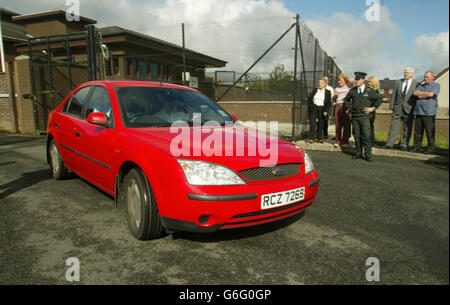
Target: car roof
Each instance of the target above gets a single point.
(136, 83)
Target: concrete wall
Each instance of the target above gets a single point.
(282, 112)
(263, 111)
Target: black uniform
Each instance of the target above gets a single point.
(356, 102)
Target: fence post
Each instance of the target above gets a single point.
(315, 62)
(294, 83)
(92, 58)
(184, 55)
(33, 88)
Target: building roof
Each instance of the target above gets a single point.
(118, 31)
(13, 32)
(442, 73)
(50, 14)
(4, 11)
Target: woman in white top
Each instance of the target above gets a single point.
(340, 117)
(319, 103)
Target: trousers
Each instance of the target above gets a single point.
(342, 125)
(424, 123)
(362, 134)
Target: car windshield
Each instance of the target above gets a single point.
(158, 107)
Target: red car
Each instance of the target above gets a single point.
(149, 145)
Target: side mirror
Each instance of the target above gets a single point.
(234, 117)
(97, 118)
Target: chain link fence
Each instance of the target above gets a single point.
(272, 65)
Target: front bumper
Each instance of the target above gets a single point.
(208, 209)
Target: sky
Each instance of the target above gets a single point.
(408, 32)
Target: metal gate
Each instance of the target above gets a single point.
(58, 64)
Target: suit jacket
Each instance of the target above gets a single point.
(326, 104)
(403, 105)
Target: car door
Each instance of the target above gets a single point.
(97, 142)
(65, 127)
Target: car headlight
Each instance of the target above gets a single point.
(309, 165)
(203, 173)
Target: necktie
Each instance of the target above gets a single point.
(405, 89)
(359, 90)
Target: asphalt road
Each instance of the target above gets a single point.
(395, 210)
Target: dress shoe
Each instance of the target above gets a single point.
(403, 148)
(388, 147)
(369, 159)
(357, 156)
(416, 150)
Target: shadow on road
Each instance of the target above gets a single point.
(234, 234)
(439, 162)
(27, 180)
(8, 140)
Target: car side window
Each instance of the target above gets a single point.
(77, 101)
(99, 102)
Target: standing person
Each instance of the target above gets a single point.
(425, 111)
(327, 117)
(319, 103)
(351, 83)
(402, 105)
(340, 117)
(361, 101)
(373, 83)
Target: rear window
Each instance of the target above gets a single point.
(77, 101)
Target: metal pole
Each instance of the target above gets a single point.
(315, 62)
(92, 67)
(184, 55)
(304, 92)
(294, 85)
(2, 51)
(256, 62)
(69, 62)
(33, 89)
(50, 72)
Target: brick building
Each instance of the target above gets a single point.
(60, 58)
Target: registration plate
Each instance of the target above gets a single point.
(274, 200)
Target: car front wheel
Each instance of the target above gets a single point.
(141, 209)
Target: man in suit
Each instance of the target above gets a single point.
(402, 106)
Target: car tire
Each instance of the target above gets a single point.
(141, 209)
(57, 167)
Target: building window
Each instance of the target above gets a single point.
(154, 68)
(115, 66)
(143, 69)
(132, 67)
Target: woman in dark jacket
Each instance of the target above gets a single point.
(319, 103)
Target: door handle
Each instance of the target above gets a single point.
(77, 134)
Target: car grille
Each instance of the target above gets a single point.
(271, 173)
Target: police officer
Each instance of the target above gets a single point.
(360, 102)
